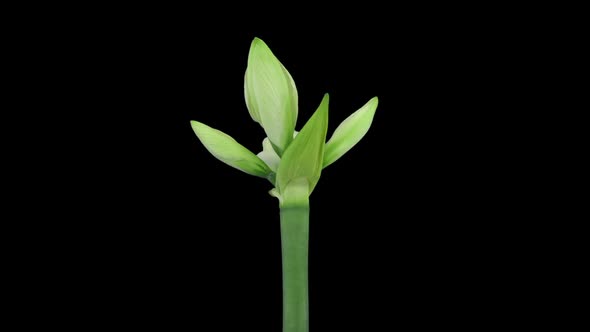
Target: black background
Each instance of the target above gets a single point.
(415, 225)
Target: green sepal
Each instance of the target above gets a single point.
(271, 95)
(350, 132)
(304, 157)
(226, 149)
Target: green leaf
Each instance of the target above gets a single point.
(350, 132)
(226, 149)
(271, 95)
(304, 157)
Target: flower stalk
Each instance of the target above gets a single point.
(295, 244)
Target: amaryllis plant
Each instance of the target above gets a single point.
(291, 161)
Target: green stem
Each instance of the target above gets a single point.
(294, 241)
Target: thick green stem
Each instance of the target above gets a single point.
(294, 241)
